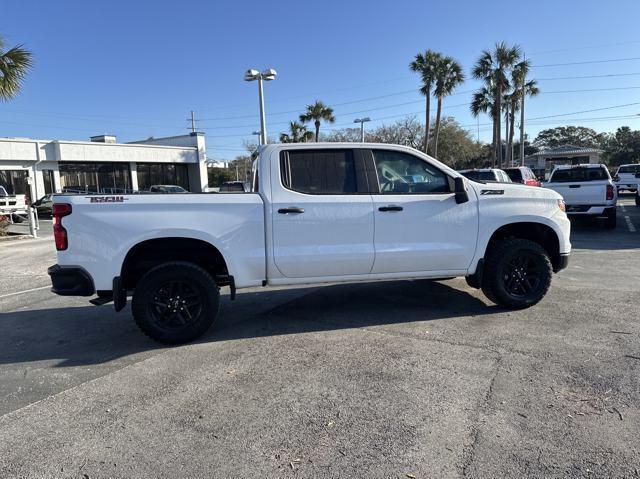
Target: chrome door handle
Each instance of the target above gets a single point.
(292, 209)
(390, 208)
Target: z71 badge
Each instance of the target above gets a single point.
(106, 199)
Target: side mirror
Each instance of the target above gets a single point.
(460, 190)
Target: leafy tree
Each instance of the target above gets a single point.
(623, 147)
(494, 68)
(407, 131)
(240, 168)
(297, 134)
(14, 65)
(483, 102)
(569, 135)
(425, 64)
(457, 147)
(216, 176)
(318, 112)
(448, 76)
(345, 135)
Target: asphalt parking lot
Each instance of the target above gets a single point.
(397, 379)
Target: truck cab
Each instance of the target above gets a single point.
(316, 213)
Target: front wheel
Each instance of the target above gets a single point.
(517, 273)
(175, 302)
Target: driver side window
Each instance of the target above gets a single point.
(402, 173)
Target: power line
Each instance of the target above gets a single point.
(610, 60)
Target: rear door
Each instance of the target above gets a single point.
(419, 227)
(322, 213)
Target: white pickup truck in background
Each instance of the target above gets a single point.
(317, 213)
(11, 206)
(627, 177)
(588, 190)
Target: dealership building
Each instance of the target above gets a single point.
(102, 165)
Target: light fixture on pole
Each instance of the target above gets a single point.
(259, 134)
(267, 75)
(362, 122)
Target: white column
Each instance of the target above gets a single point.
(133, 167)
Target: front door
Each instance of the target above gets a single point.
(322, 213)
(419, 227)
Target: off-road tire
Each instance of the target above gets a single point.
(499, 281)
(177, 285)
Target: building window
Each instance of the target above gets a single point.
(150, 174)
(47, 177)
(95, 177)
(15, 181)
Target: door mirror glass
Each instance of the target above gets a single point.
(461, 194)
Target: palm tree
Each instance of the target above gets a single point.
(520, 85)
(14, 64)
(425, 65)
(317, 113)
(494, 68)
(297, 134)
(448, 76)
(483, 102)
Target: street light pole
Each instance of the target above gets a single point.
(362, 122)
(267, 75)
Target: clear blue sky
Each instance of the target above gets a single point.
(137, 68)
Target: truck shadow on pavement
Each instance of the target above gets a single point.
(89, 335)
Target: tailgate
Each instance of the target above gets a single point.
(584, 193)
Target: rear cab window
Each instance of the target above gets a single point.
(629, 169)
(516, 175)
(579, 175)
(319, 172)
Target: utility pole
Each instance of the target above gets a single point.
(522, 120)
(362, 122)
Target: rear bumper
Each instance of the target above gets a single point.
(590, 210)
(70, 281)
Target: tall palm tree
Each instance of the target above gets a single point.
(448, 76)
(297, 134)
(14, 64)
(318, 112)
(483, 102)
(520, 85)
(425, 65)
(494, 67)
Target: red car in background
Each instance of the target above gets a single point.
(524, 175)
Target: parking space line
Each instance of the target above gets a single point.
(632, 228)
(23, 292)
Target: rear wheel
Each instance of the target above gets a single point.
(175, 302)
(517, 273)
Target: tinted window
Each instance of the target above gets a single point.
(319, 172)
(479, 175)
(629, 169)
(400, 172)
(515, 174)
(579, 174)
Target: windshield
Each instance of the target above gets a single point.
(514, 174)
(579, 174)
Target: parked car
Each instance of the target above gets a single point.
(13, 206)
(167, 189)
(44, 205)
(484, 175)
(235, 187)
(523, 175)
(318, 213)
(588, 190)
(627, 177)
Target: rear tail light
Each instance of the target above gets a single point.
(610, 192)
(59, 211)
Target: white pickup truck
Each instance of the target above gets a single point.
(587, 190)
(627, 177)
(317, 213)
